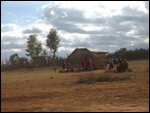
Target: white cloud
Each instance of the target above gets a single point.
(16, 50)
(146, 40)
(40, 24)
(95, 9)
(132, 43)
(11, 30)
(98, 25)
(131, 32)
(52, 12)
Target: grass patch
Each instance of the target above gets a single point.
(24, 74)
(101, 77)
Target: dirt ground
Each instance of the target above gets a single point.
(45, 90)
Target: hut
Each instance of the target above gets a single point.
(100, 59)
(40, 61)
(79, 54)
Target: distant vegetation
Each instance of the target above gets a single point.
(34, 49)
(16, 62)
(137, 54)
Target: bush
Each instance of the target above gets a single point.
(101, 77)
(111, 78)
(88, 78)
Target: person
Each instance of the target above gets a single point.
(107, 61)
(125, 65)
(115, 62)
(84, 63)
(91, 63)
(111, 64)
(63, 65)
(119, 66)
(107, 65)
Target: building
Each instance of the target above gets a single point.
(79, 54)
(40, 61)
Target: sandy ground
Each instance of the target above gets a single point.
(62, 94)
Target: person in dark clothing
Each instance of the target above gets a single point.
(119, 66)
(111, 65)
(86, 63)
(115, 62)
(63, 65)
(125, 65)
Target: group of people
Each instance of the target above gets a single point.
(120, 65)
(87, 63)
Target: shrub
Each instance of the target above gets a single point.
(101, 77)
(86, 78)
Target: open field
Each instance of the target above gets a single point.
(45, 90)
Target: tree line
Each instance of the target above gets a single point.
(136, 54)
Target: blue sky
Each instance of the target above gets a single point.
(21, 12)
(96, 25)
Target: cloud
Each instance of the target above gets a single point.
(32, 31)
(6, 53)
(122, 29)
(74, 17)
(139, 45)
(99, 26)
(7, 27)
(11, 33)
(11, 45)
(147, 5)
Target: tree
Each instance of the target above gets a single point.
(14, 59)
(53, 42)
(44, 52)
(132, 54)
(34, 47)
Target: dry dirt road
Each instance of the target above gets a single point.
(36, 90)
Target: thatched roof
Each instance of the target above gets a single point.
(79, 52)
(85, 51)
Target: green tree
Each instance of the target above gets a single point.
(52, 43)
(34, 47)
(44, 52)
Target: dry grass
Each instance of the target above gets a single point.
(101, 77)
(45, 90)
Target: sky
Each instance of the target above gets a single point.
(103, 26)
